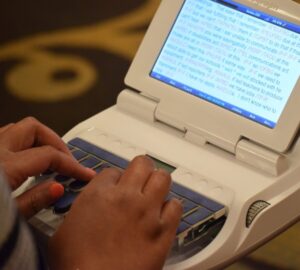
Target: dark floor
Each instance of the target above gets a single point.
(64, 61)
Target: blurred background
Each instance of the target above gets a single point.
(64, 61)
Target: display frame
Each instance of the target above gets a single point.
(198, 114)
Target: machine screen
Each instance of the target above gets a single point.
(236, 57)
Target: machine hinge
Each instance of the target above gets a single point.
(136, 104)
(245, 150)
(200, 137)
(195, 138)
(262, 158)
(145, 108)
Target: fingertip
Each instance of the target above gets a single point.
(144, 159)
(56, 191)
(172, 210)
(90, 172)
(177, 205)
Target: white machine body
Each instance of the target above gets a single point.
(212, 172)
(252, 169)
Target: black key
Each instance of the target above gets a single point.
(102, 167)
(196, 197)
(62, 178)
(78, 154)
(198, 216)
(103, 154)
(90, 162)
(64, 204)
(77, 185)
(47, 172)
(183, 226)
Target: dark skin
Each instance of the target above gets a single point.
(28, 148)
(120, 220)
(134, 227)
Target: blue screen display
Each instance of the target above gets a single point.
(236, 57)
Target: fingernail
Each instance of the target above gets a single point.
(56, 190)
(163, 171)
(179, 201)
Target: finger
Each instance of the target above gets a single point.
(39, 197)
(34, 161)
(158, 186)
(30, 132)
(107, 177)
(4, 128)
(137, 173)
(171, 215)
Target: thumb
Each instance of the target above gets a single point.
(39, 197)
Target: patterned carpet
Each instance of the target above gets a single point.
(64, 61)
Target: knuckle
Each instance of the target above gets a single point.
(51, 154)
(121, 197)
(49, 149)
(119, 200)
(30, 120)
(127, 200)
(110, 197)
(159, 229)
(141, 210)
(156, 228)
(89, 194)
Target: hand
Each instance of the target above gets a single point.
(29, 148)
(120, 221)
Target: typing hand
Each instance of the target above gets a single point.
(28, 148)
(120, 221)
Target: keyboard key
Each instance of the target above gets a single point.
(187, 205)
(70, 147)
(78, 154)
(64, 204)
(62, 178)
(200, 215)
(77, 185)
(90, 162)
(196, 197)
(183, 226)
(102, 167)
(47, 172)
(98, 152)
(198, 210)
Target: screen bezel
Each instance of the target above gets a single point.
(202, 116)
